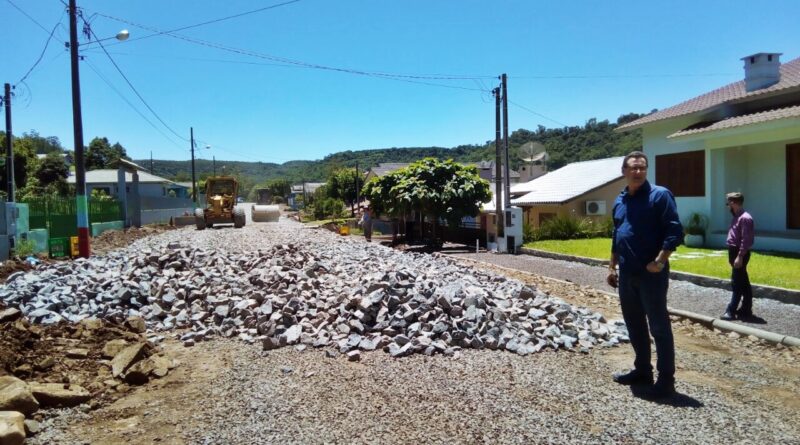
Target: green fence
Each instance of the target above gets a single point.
(60, 217)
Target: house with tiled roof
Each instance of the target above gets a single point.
(581, 190)
(743, 137)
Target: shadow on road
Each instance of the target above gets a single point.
(677, 400)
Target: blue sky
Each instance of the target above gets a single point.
(567, 61)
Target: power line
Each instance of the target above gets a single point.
(537, 113)
(393, 76)
(131, 85)
(619, 76)
(110, 85)
(28, 16)
(158, 33)
(49, 38)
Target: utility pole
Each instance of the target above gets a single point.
(194, 184)
(358, 200)
(505, 139)
(82, 203)
(498, 168)
(151, 162)
(9, 146)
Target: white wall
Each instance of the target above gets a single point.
(734, 163)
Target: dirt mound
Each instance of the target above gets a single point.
(66, 353)
(11, 266)
(115, 239)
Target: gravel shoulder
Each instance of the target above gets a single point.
(732, 389)
(777, 317)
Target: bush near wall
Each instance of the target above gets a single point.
(568, 227)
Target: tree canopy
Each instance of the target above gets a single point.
(101, 154)
(439, 189)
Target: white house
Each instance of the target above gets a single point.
(149, 185)
(742, 137)
(584, 189)
(148, 198)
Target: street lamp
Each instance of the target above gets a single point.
(82, 203)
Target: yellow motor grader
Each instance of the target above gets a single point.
(220, 208)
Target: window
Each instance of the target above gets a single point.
(684, 174)
(793, 186)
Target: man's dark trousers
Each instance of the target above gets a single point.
(740, 282)
(643, 298)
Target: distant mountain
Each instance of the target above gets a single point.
(594, 140)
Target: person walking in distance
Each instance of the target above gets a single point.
(646, 232)
(366, 224)
(740, 240)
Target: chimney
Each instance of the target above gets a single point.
(761, 70)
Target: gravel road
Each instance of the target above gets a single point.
(777, 317)
(732, 390)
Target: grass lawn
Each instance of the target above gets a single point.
(770, 268)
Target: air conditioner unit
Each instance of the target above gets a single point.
(594, 208)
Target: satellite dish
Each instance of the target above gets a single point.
(533, 152)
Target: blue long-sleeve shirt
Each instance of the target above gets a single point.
(644, 223)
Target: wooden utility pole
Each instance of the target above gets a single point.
(358, 198)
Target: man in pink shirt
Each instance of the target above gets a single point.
(740, 241)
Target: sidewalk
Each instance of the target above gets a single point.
(778, 317)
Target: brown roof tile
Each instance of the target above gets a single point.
(734, 92)
(740, 121)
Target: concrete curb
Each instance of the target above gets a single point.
(788, 296)
(705, 320)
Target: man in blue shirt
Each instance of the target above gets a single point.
(646, 232)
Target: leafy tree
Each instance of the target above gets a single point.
(101, 154)
(278, 188)
(433, 188)
(43, 145)
(24, 161)
(52, 169)
(100, 195)
(342, 185)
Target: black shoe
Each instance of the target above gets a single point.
(744, 315)
(634, 377)
(727, 316)
(661, 390)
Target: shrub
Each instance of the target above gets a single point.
(24, 248)
(278, 200)
(564, 227)
(529, 234)
(329, 208)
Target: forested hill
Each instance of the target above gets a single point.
(594, 140)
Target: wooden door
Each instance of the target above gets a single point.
(793, 186)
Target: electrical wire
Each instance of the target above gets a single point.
(393, 76)
(41, 55)
(158, 33)
(132, 87)
(28, 16)
(110, 85)
(537, 113)
(620, 76)
(218, 147)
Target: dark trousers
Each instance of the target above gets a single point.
(740, 282)
(643, 298)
